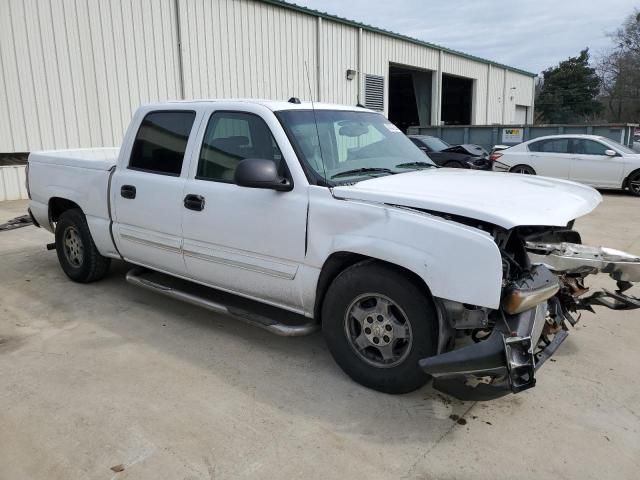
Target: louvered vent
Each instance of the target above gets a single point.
(374, 92)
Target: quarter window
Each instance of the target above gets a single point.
(557, 145)
(231, 137)
(589, 147)
(161, 141)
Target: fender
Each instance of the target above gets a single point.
(456, 262)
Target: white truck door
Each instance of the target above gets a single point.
(591, 165)
(247, 241)
(147, 191)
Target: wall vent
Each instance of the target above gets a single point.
(374, 92)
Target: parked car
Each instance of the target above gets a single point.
(303, 217)
(458, 156)
(590, 159)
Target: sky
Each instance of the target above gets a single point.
(531, 35)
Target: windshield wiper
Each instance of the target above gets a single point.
(416, 164)
(355, 171)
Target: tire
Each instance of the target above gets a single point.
(404, 305)
(523, 169)
(77, 254)
(454, 164)
(633, 183)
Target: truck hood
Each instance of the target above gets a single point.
(504, 199)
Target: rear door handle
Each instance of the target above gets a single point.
(194, 202)
(128, 191)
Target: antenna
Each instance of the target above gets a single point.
(315, 120)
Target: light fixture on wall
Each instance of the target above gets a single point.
(351, 74)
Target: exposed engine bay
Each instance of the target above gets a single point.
(488, 353)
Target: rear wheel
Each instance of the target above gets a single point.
(633, 184)
(523, 169)
(377, 324)
(77, 254)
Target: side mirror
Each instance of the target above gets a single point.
(610, 153)
(260, 173)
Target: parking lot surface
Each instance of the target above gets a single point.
(105, 377)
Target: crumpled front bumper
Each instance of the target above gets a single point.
(503, 363)
(507, 361)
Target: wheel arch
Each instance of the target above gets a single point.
(625, 182)
(339, 261)
(59, 205)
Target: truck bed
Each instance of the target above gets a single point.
(93, 158)
(80, 176)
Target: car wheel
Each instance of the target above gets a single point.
(77, 253)
(523, 169)
(377, 324)
(454, 164)
(633, 184)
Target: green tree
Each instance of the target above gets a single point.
(569, 91)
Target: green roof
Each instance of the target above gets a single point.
(369, 28)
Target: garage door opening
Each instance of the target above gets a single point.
(457, 98)
(409, 97)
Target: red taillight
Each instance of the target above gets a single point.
(495, 156)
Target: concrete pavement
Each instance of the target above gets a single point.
(101, 375)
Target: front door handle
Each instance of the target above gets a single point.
(128, 191)
(194, 202)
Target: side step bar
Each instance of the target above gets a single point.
(136, 277)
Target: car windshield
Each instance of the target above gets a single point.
(434, 143)
(346, 145)
(618, 146)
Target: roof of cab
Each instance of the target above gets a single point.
(273, 105)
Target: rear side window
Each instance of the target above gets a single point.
(161, 142)
(231, 137)
(557, 145)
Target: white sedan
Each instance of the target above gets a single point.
(591, 159)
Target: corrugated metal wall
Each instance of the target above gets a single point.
(12, 183)
(72, 72)
(243, 48)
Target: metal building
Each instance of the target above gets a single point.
(72, 72)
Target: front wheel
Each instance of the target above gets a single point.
(633, 184)
(378, 324)
(523, 169)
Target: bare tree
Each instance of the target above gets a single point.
(619, 72)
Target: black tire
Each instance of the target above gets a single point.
(454, 164)
(77, 254)
(633, 183)
(523, 169)
(371, 277)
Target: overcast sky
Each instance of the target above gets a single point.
(528, 34)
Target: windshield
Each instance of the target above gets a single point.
(434, 143)
(348, 146)
(618, 146)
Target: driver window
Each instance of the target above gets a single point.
(589, 147)
(231, 137)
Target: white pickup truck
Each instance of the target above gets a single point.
(295, 216)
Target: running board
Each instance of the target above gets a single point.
(293, 329)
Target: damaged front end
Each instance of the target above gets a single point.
(544, 273)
